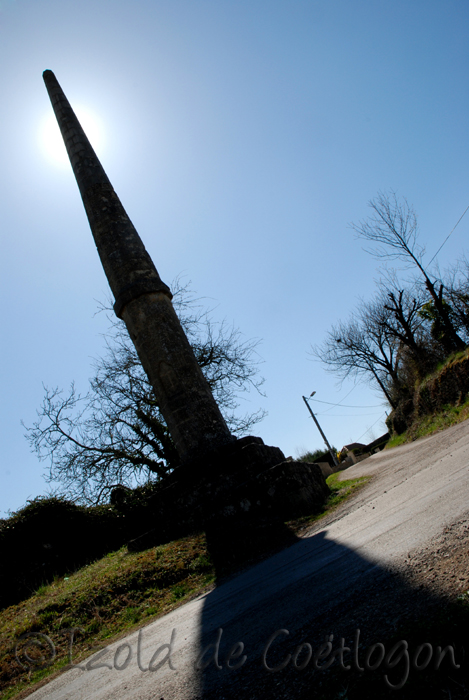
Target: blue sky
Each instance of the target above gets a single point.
(242, 137)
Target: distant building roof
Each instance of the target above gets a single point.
(379, 442)
(353, 446)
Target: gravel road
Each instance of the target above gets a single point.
(392, 551)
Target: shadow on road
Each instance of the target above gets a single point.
(267, 633)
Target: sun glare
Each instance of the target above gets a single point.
(51, 142)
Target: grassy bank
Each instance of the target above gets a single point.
(439, 401)
(427, 425)
(113, 596)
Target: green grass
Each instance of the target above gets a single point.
(427, 425)
(397, 440)
(106, 599)
(451, 358)
(447, 416)
(114, 595)
(340, 491)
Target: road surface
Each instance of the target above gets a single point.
(250, 625)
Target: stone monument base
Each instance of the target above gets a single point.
(242, 485)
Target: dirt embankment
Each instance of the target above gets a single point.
(447, 387)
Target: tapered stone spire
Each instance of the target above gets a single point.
(142, 299)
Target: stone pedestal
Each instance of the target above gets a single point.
(242, 485)
(222, 482)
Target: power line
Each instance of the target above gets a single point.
(345, 406)
(449, 234)
(346, 415)
(340, 402)
(383, 414)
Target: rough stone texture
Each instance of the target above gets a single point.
(215, 487)
(184, 397)
(245, 485)
(294, 489)
(325, 468)
(143, 301)
(221, 480)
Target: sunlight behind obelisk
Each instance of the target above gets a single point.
(51, 142)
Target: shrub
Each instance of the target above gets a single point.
(51, 536)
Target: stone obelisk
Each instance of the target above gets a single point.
(142, 299)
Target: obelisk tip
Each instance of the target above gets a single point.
(48, 74)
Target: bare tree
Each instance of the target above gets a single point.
(406, 324)
(393, 228)
(362, 348)
(456, 282)
(386, 342)
(115, 434)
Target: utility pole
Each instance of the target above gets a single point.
(331, 452)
